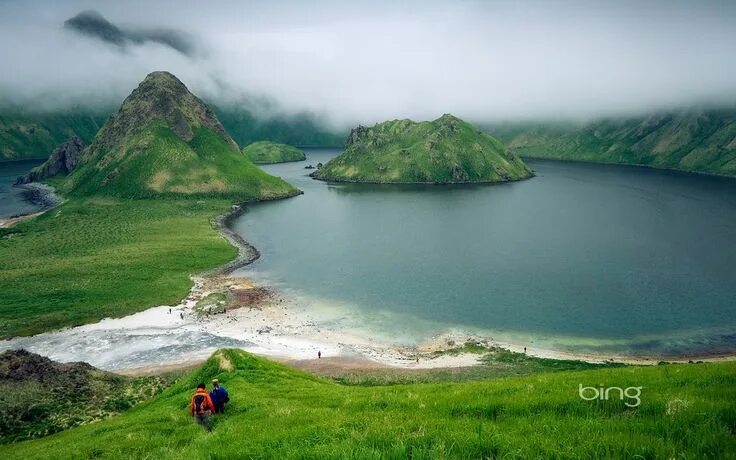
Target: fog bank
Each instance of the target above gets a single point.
(366, 62)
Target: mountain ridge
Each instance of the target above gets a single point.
(693, 140)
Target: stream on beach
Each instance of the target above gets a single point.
(583, 259)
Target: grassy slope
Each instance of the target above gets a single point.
(700, 141)
(39, 397)
(267, 152)
(96, 257)
(687, 411)
(25, 136)
(402, 151)
(157, 163)
(301, 129)
(138, 221)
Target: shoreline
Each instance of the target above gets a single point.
(269, 323)
(41, 195)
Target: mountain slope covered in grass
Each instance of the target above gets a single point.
(139, 217)
(266, 152)
(688, 140)
(39, 397)
(446, 150)
(25, 134)
(686, 411)
(164, 141)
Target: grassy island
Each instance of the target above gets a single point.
(445, 151)
(266, 152)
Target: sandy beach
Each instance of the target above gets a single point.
(268, 323)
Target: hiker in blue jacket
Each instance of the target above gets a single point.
(219, 396)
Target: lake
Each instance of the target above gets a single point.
(583, 257)
(12, 201)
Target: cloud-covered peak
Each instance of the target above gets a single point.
(92, 24)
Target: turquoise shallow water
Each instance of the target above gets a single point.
(583, 257)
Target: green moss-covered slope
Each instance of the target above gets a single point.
(26, 135)
(686, 411)
(689, 140)
(446, 150)
(39, 397)
(164, 141)
(267, 152)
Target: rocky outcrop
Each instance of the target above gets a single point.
(62, 160)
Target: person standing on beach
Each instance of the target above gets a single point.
(202, 406)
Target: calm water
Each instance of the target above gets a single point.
(582, 257)
(11, 198)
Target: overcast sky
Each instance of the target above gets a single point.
(370, 61)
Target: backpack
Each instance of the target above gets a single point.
(199, 404)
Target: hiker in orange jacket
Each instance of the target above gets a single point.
(201, 405)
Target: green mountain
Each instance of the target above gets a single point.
(26, 135)
(267, 152)
(446, 150)
(125, 240)
(303, 129)
(164, 141)
(685, 411)
(689, 140)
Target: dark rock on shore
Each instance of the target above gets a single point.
(62, 160)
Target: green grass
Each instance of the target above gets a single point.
(137, 225)
(156, 163)
(34, 135)
(687, 140)
(446, 150)
(39, 397)
(266, 152)
(212, 304)
(686, 411)
(96, 257)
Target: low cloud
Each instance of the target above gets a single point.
(366, 62)
(92, 24)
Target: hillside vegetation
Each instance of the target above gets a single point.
(99, 257)
(139, 219)
(686, 411)
(690, 140)
(446, 150)
(28, 135)
(303, 129)
(164, 141)
(267, 152)
(39, 397)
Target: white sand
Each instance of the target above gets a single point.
(275, 326)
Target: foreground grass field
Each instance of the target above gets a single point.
(686, 411)
(97, 257)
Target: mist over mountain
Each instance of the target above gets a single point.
(362, 62)
(94, 25)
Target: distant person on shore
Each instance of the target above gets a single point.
(202, 406)
(219, 397)
(181, 314)
(319, 355)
